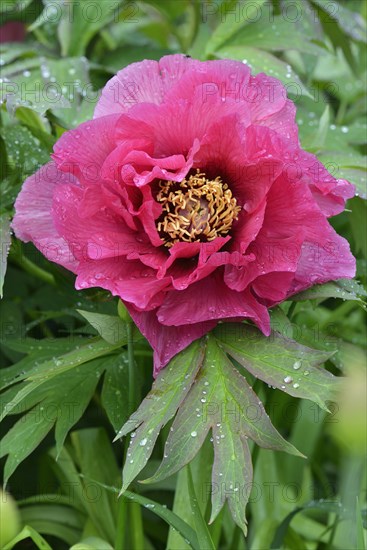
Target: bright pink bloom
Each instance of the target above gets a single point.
(12, 31)
(95, 209)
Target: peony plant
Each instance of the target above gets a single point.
(188, 196)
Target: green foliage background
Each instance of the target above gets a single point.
(65, 353)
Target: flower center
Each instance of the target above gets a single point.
(195, 209)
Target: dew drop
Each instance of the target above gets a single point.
(297, 365)
(143, 442)
(288, 379)
(194, 434)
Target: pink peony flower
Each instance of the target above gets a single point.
(189, 197)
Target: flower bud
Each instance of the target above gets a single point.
(10, 519)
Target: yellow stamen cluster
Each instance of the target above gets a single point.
(196, 209)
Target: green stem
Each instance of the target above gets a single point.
(136, 522)
(33, 269)
(133, 511)
(121, 524)
(130, 356)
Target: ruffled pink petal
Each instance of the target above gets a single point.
(333, 202)
(291, 214)
(273, 287)
(266, 96)
(167, 341)
(177, 124)
(246, 228)
(271, 255)
(329, 193)
(327, 259)
(33, 220)
(78, 231)
(83, 151)
(226, 80)
(146, 168)
(130, 280)
(143, 82)
(283, 122)
(217, 302)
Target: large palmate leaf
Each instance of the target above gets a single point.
(346, 289)
(42, 389)
(281, 362)
(205, 392)
(160, 405)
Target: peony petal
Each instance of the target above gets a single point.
(214, 301)
(333, 202)
(283, 122)
(130, 280)
(223, 80)
(83, 151)
(324, 260)
(273, 288)
(143, 82)
(33, 220)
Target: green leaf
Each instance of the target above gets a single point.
(111, 328)
(280, 362)
(61, 401)
(60, 521)
(358, 223)
(92, 543)
(201, 528)
(115, 389)
(346, 289)
(201, 468)
(23, 438)
(24, 87)
(360, 542)
(168, 392)
(260, 61)
(5, 241)
(323, 128)
(48, 395)
(81, 20)
(13, 7)
(29, 532)
(96, 461)
(350, 22)
(40, 372)
(221, 400)
(324, 506)
(25, 152)
(232, 20)
(163, 512)
(282, 36)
